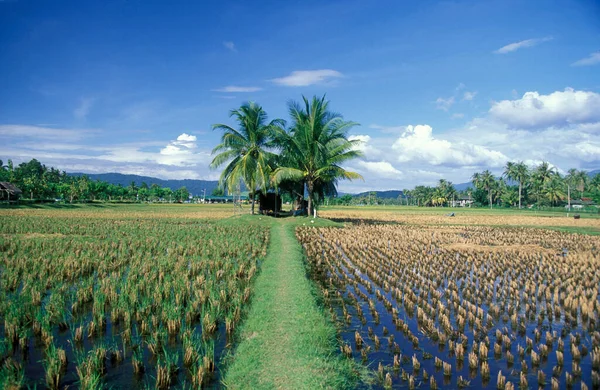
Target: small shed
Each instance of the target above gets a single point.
(269, 203)
(9, 191)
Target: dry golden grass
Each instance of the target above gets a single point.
(125, 211)
(461, 218)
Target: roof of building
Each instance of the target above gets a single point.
(11, 188)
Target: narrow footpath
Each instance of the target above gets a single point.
(286, 342)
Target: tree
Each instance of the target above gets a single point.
(519, 173)
(315, 148)
(485, 180)
(218, 191)
(577, 180)
(247, 149)
(541, 175)
(132, 190)
(181, 194)
(554, 189)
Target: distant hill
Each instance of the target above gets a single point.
(195, 187)
(391, 194)
(462, 186)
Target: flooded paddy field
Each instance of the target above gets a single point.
(462, 306)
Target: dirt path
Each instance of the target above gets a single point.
(286, 341)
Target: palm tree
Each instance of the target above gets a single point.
(315, 148)
(554, 189)
(247, 149)
(517, 172)
(542, 174)
(486, 181)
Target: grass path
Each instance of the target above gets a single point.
(286, 341)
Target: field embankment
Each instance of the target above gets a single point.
(287, 340)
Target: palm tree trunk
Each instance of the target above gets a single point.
(310, 186)
(520, 186)
(252, 200)
(490, 193)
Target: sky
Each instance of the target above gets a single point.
(441, 89)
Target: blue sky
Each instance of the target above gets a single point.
(441, 89)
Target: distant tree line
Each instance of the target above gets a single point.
(39, 182)
(519, 185)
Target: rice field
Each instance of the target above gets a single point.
(124, 297)
(446, 306)
(463, 216)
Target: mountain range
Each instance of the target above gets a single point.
(197, 187)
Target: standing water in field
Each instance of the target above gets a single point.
(125, 303)
(455, 306)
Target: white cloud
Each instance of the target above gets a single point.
(444, 104)
(82, 111)
(230, 46)
(364, 146)
(235, 88)
(381, 168)
(469, 95)
(522, 44)
(458, 115)
(558, 109)
(39, 132)
(592, 59)
(418, 144)
(303, 78)
(79, 150)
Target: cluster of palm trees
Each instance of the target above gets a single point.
(518, 184)
(305, 156)
(543, 184)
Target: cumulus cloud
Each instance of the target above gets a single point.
(303, 78)
(592, 59)
(80, 151)
(381, 168)
(365, 145)
(522, 44)
(235, 88)
(418, 144)
(557, 109)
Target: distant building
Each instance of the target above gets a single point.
(9, 191)
(463, 201)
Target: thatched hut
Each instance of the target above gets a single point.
(9, 191)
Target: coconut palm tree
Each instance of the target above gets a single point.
(541, 175)
(248, 149)
(315, 148)
(485, 180)
(517, 172)
(554, 189)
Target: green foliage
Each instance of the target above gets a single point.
(46, 183)
(314, 149)
(246, 150)
(146, 276)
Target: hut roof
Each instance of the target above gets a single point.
(10, 188)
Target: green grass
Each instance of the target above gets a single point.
(286, 341)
